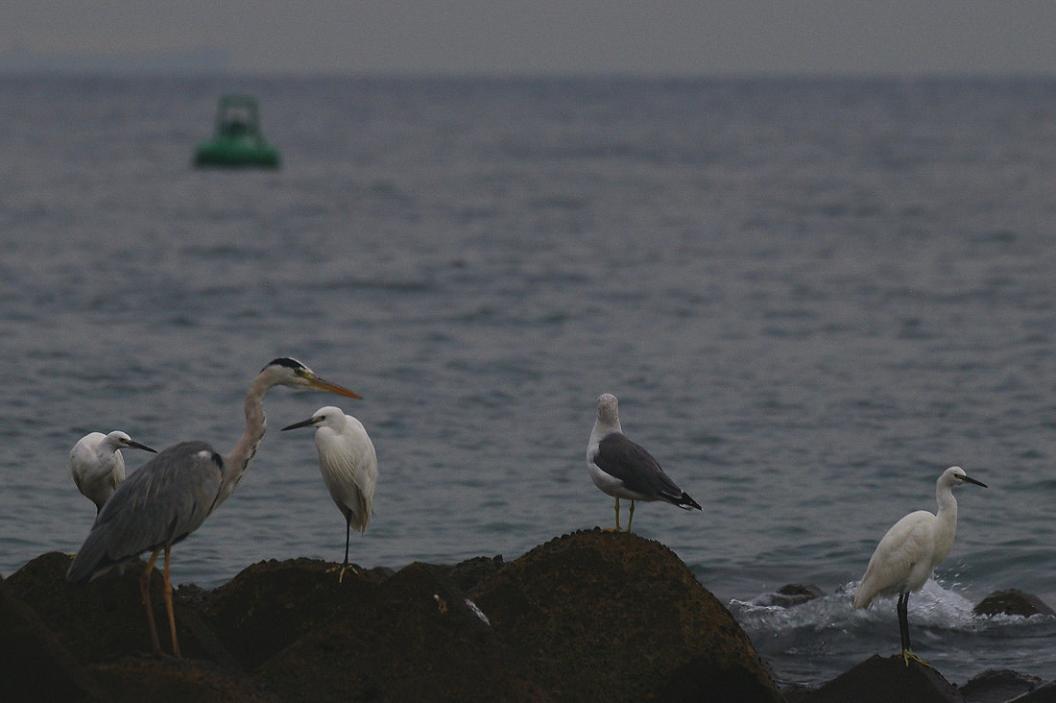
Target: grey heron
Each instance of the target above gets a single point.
(349, 466)
(623, 469)
(172, 494)
(97, 465)
(910, 550)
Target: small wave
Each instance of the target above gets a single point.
(933, 606)
(396, 285)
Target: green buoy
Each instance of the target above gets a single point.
(238, 142)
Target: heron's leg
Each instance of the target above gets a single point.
(144, 592)
(167, 590)
(630, 518)
(616, 507)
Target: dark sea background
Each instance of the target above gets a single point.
(811, 296)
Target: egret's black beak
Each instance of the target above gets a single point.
(144, 447)
(969, 479)
(303, 423)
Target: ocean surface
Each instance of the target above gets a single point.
(811, 296)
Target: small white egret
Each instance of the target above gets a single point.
(171, 495)
(911, 549)
(97, 465)
(623, 469)
(349, 466)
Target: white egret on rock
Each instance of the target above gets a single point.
(911, 549)
(97, 465)
(623, 469)
(172, 494)
(349, 466)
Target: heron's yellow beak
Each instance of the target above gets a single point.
(323, 385)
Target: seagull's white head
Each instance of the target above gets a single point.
(287, 371)
(608, 409)
(956, 476)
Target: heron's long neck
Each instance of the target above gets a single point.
(237, 460)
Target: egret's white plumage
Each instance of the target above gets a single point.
(911, 549)
(171, 495)
(623, 469)
(349, 466)
(97, 465)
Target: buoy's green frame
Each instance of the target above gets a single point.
(246, 150)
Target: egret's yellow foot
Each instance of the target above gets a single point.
(908, 655)
(341, 571)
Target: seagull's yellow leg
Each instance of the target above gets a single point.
(144, 592)
(167, 591)
(631, 518)
(908, 656)
(616, 508)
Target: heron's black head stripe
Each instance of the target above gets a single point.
(218, 460)
(285, 361)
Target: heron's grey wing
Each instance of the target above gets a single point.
(632, 464)
(158, 505)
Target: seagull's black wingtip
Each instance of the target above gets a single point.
(686, 502)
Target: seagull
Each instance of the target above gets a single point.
(349, 466)
(624, 469)
(97, 465)
(909, 552)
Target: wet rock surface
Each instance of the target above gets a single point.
(1013, 602)
(883, 680)
(998, 686)
(610, 616)
(104, 619)
(1042, 694)
(587, 616)
(32, 659)
(791, 595)
(412, 638)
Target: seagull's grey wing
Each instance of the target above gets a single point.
(158, 505)
(639, 471)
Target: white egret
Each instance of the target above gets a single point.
(97, 465)
(172, 494)
(623, 469)
(911, 549)
(349, 466)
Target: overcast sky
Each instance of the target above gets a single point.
(679, 37)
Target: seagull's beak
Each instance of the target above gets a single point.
(303, 423)
(323, 385)
(144, 447)
(969, 479)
